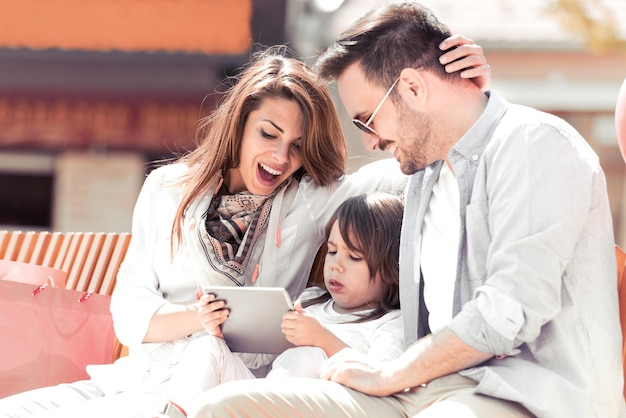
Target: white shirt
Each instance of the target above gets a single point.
(440, 247)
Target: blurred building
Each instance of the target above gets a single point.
(92, 91)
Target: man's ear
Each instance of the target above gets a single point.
(413, 86)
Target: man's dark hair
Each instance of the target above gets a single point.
(386, 40)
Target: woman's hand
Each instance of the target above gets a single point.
(468, 58)
(212, 314)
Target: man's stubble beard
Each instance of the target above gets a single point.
(415, 150)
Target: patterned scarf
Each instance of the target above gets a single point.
(232, 222)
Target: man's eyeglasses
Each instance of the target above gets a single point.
(365, 126)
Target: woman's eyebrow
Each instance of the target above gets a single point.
(274, 125)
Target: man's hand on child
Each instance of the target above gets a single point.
(357, 371)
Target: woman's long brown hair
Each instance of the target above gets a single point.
(271, 73)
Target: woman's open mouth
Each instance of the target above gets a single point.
(267, 174)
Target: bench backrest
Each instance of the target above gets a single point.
(91, 260)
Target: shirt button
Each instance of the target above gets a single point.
(475, 157)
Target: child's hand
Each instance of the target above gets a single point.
(301, 328)
(212, 314)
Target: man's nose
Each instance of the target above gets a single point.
(370, 142)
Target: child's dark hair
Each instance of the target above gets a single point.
(370, 226)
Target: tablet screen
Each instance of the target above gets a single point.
(256, 314)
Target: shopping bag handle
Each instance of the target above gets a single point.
(40, 289)
(85, 297)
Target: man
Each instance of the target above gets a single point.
(507, 277)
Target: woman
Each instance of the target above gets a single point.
(248, 207)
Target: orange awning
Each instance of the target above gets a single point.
(187, 26)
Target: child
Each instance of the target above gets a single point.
(360, 308)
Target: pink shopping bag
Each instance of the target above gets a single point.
(31, 273)
(48, 335)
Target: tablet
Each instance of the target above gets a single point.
(256, 313)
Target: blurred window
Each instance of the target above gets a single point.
(27, 183)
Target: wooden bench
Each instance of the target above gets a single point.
(621, 288)
(91, 260)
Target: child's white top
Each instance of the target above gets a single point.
(381, 338)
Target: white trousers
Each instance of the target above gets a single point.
(448, 396)
(79, 400)
(206, 362)
(298, 362)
